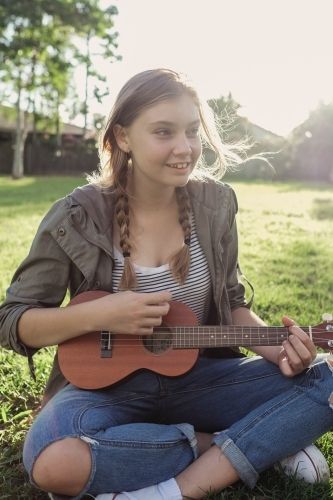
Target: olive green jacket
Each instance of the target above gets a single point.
(73, 250)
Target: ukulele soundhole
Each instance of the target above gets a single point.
(158, 342)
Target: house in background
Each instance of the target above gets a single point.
(44, 153)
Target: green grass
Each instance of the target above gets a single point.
(286, 234)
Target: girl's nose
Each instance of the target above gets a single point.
(183, 145)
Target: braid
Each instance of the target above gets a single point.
(184, 213)
(128, 279)
(180, 262)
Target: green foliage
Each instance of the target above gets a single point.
(99, 28)
(311, 146)
(38, 55)
(37, 44)
(32, 43)
(286, 233)
(263, 151)
(226, 111)
(307, 154)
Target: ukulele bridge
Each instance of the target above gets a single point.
(106, 344)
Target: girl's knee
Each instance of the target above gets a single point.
(63, 467)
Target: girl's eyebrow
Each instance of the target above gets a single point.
(167, 123)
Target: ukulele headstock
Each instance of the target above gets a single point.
(322, 335)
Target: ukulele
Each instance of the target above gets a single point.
(100, 359)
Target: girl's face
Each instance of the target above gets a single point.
(164, 142)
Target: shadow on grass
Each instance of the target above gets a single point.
(36, 190)
(322, 209)
(272, 485)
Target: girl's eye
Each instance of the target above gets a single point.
(163, 132)
(193, 132)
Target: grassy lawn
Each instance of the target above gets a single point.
(286, 234)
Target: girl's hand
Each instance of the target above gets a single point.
(297, 352)
(130, 312)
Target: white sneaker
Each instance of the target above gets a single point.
(309, 464)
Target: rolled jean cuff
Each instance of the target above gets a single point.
(188, 431)
(244, 468)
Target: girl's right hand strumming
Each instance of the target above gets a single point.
(130, 312)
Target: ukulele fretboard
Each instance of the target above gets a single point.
(196, 337)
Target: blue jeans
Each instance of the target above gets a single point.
(141, 431)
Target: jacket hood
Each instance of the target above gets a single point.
(97, 202)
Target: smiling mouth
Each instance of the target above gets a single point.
(179, 166)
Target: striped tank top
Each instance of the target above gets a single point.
(195, 292)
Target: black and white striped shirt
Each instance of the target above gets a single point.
(195, 292)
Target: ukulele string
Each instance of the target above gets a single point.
(139, 341)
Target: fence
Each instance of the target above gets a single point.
(43, 156)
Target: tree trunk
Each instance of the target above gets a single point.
(85, 107)
(32, 99)
(18, 167)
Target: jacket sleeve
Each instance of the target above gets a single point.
(235, 288)
(41, 280)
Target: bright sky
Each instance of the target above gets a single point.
(275, 56)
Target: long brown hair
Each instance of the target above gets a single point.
(141, 91)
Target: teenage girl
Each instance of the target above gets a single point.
(152, 228)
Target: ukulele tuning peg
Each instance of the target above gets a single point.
(327, 317)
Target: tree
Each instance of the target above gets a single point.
(263, 152)
(99, 40)
(311, 146)
(225, 110)
(36, 55)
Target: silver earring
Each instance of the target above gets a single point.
(129, 160)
